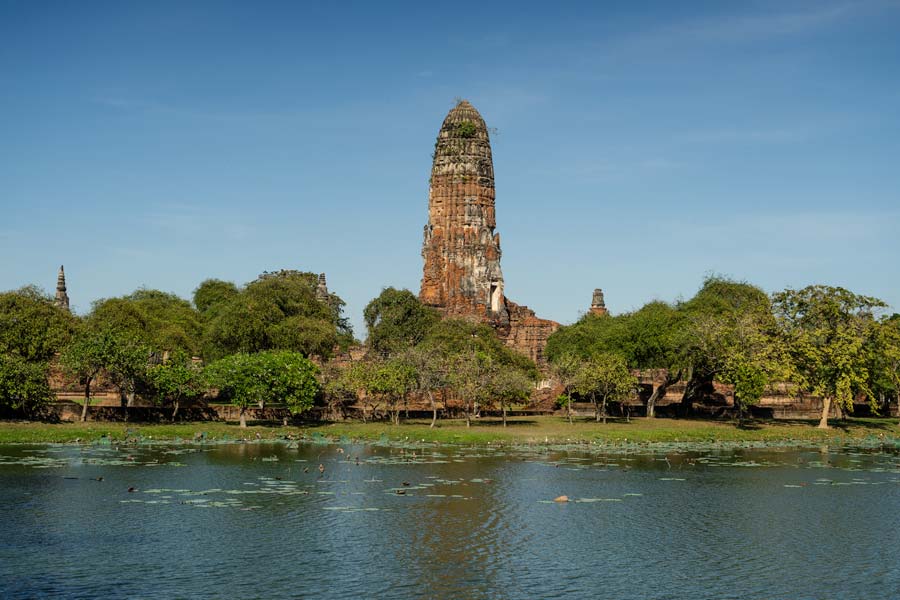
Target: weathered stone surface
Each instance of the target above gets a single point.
(62, 298)
(461, 250)
(322, 289)
(598, 304)
(526, 332)
(462, 273)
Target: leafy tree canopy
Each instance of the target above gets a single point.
(161, 320)
(176, 380)
(830, 334)
(396, 320)
(212, 293)
(458, 336)
(276, 311)
(23, 385)
(647, 338)
(31, 326)
(266, 377)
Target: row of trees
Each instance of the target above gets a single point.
(824, 340)
(256, 341)
(413, 352)
(254, 344)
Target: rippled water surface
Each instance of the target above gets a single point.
(259, 520)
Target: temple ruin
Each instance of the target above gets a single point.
(322, 289)
(62, 298)
(598, 304)
(462, 276)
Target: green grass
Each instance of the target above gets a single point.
(544, 429)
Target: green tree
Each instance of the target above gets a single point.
(266, 377)
(429, 372)
(356, 378)
(885, 367)
(652, 337)
(277, 311)
(468, 377)
(604, 378)
(507, 385)
(829, 334)
(213, 293)
(729, 335)
(23, 385)
(175, 381)
(32, 331)
(340, 388)
(453, 337)
(98, 350)
(162, 321)
(389, 381)
(31, 326)
(397, 320)
(565, 368)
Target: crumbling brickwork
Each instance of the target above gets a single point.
(461, 250)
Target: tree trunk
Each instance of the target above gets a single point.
(569, 407)
(604, 410)
(687, 399)
(433, 409)
(660, 392)
(87, 401)
(503, 408)
(826, 408)
(123, 402)
(839, 411)
(468, 415)
(175, 412)
(596, 408)
(243, 418)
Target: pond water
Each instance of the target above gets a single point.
(259, 520)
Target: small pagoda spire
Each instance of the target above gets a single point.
(322, 289)
(62, 298)
(598, 304)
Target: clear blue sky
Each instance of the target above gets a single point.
(639, 146)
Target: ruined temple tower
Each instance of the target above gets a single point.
(598, 304)
(462, 276)
(322, 289)
(62, 298)
(461, 250)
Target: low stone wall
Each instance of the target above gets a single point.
(71, 411)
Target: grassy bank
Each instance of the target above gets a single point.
(521, 430)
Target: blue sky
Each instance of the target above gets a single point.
(639, 146)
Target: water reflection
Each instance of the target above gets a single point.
(260, 520)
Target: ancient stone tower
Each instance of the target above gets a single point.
(462, 276)
(461, 250)
(322, 288)
(598, 304)
(62, 298)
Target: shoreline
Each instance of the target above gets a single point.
(540, 431)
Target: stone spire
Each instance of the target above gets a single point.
(322, 289)
(62, 298)
(462, 273)
(598, 304)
